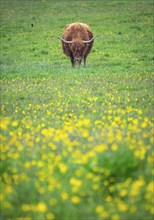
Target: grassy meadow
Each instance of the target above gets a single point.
(76, 143)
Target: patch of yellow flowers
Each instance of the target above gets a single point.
(48, 171)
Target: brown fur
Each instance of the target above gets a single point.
(77, 32)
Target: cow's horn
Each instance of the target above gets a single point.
(88, 41)
(65, 41)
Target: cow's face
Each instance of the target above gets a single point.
(77, 51)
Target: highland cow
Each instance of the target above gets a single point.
(77, 42)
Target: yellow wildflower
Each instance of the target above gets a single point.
(114, 147)
(63, 168)
(41, 207)
(95, 187)
(123, 207)
(75, 199)
(4, 123)
(26, 207)
(115, 217)
(101, 211)
(100, 148)
(75, 182)
(50, 216)
(64, 195)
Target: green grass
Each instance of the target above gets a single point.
(76, 143)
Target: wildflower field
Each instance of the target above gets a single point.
(76, 143)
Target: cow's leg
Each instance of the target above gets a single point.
(84, 61)
(72, 61)
(80, 62)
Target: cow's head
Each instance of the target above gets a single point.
(77, 47)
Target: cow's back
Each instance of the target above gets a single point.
(78, 31)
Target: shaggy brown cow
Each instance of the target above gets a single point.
(77, 42)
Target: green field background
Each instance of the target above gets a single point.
(76, 143)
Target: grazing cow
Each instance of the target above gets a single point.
(77, 42)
